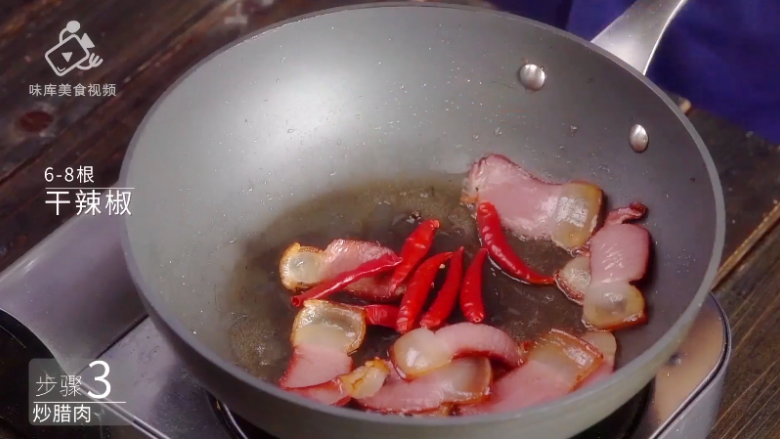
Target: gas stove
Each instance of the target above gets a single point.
(72, 296)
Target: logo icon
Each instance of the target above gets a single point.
(72, 51)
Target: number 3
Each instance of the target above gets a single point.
(102, 379)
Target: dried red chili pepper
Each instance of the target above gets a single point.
(493, 238)
(381, 315)
(417, 291)
(366, 269)
(414, 250)
(445, 301)
(471, 293)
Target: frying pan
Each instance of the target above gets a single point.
(338, 123)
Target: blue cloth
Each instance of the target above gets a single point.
(723, 55)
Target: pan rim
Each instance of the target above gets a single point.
(571, 401)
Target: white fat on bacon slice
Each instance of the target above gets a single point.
(366, 380)
(323, 336)
(573, 279)
(324, 323)
(606, 344)
(421, 351)
(465, 380)
(556, 365)
(303, 267)
(531, 208)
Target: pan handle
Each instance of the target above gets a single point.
(634, 36)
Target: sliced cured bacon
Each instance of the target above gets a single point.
(621, 215)
(606, 344)
(302, 267)
(531, 208)
(330, 392)
(363, 382)
(619, 254)
(556, 365)
(323, 336)
(601, 280)
(311, 365)
(465, 380)
(471, 339)
(421, 351)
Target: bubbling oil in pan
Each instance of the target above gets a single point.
(386, 213)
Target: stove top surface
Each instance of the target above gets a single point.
(60, 292)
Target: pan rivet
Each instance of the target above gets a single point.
(532, 77)
(638, 138)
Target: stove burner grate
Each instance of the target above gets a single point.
(620, 425)
(238, 428)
